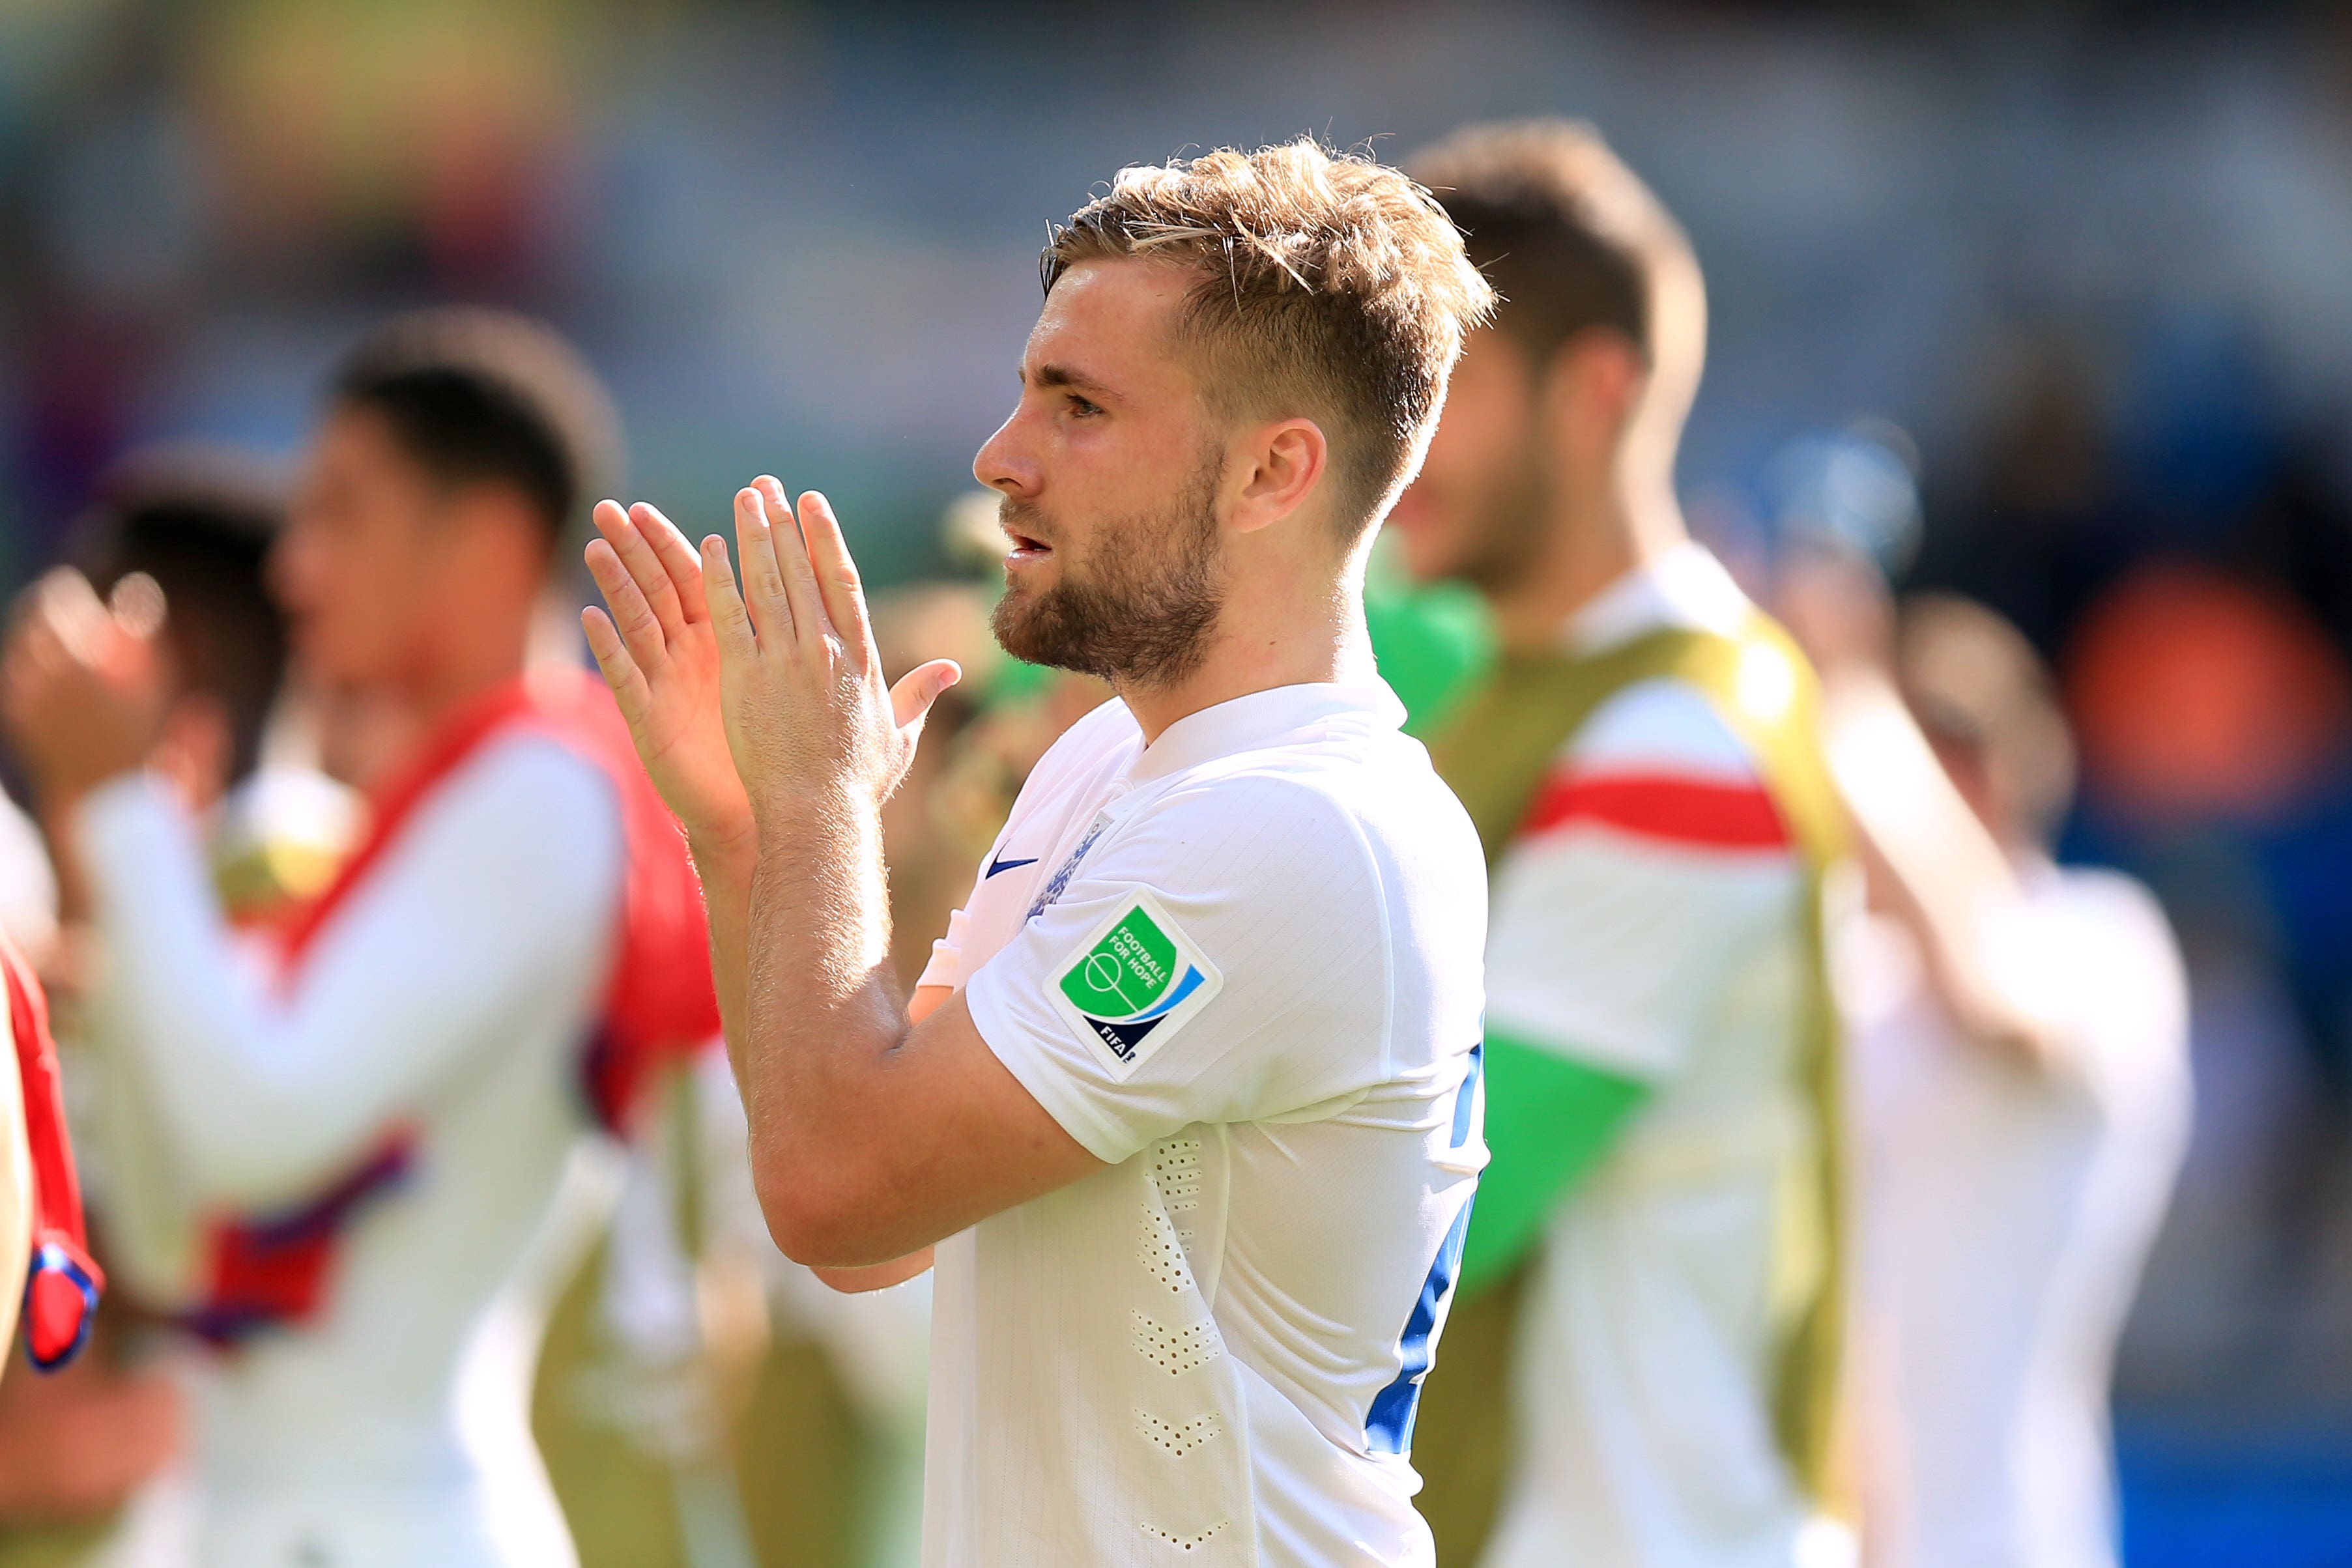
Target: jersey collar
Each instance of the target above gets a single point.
(1260, 718)
(1687, 587)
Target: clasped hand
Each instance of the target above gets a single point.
(83, 685)
(750, 705)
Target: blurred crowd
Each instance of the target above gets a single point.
(2066, 457)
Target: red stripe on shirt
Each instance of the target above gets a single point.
(1702, 812)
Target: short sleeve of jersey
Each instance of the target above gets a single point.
(1651, 859)
(1222, 956)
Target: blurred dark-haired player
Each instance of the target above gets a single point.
(196, 521)
(199, 522)
(1642, 766)
(381, 1120)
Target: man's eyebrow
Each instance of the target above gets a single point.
(1059, 375)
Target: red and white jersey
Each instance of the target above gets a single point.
(1650, 921)
(442, 1004)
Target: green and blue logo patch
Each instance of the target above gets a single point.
(1135, 984)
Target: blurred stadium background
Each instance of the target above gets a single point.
(2052, 302)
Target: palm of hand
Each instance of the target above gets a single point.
(683, 739)
(810, 716)
(756, 703)
(658, 653)
(800, 728)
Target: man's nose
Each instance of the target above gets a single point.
(1005, 463)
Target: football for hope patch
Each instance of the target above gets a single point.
(1137, 981)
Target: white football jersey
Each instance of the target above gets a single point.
(1241, 965)
(2005, 1215)
(1650, 921)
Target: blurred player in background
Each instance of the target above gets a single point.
(196, 522)
(1660, 1035)
(380, 1117)
(2015, 1162)
(1189, 1100)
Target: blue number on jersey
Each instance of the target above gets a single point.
(1388, 1427)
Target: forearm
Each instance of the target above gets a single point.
(1937, 870)
(881, 1276)
(190, 1023)
(821, 1010)
(726, 866)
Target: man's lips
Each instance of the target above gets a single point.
(1026, 548)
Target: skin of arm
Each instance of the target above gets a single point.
(925, 1002)
(1549, 1118)
(872, 1135)
(1932, 864)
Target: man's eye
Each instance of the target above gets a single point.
(1083, 407)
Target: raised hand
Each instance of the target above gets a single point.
(809, 715)
(83, 686)
(658, 653)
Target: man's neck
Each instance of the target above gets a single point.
(1593, 540)
(1258, 648)
(458, 676)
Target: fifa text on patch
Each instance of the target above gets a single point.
(1134, 983)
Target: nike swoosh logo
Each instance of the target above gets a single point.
(995, 866)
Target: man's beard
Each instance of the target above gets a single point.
(1141, 611)
(1506, 538)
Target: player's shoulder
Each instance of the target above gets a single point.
(2105, 889)
(2118, 911)
(1328, 822)
(1662, 725)
(1106, 725)
(1659, 765)
(1069, 770)
(532, 784)
(1256, 798)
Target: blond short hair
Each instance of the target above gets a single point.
(1329, 286)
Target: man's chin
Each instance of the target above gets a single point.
(1015, 626)
(1425, 562)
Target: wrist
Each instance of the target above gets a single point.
(723, 842)
(825, 819)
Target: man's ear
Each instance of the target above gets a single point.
(1592, 389)
(1284, 462)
